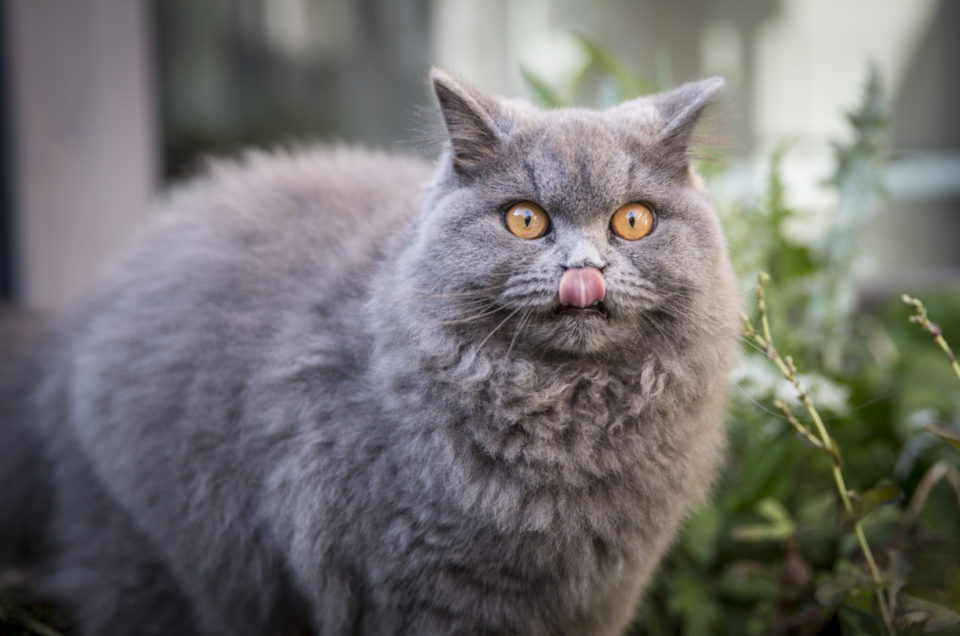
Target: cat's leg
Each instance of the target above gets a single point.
(103, 568)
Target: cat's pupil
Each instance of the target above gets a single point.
(632, 217)
(527, 218)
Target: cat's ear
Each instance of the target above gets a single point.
(468, 116)
(680, 110)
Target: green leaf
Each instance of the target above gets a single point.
(773, 510)
(846, 579)
(702, 534)
(836, 587)
(899, 570)
(14, 615)
(951, 587)
(779, 524)
(759, 532)
(761, 473)
(948, 435)
(866, 502)
(543, 92)
(749, 582)
(855, 620)
(693, 601)
(629, 85)
(935, 615)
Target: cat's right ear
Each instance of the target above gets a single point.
(469, 118)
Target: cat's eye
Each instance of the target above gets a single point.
(632, 221)
(527, 220)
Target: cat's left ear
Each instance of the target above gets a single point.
(468, 116)
(680, 110)
(664, 123)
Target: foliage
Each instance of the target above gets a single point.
(852, 524)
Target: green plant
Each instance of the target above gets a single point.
(855, 505)
(920, 318)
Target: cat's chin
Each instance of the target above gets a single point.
(578, 330)
(597, 310)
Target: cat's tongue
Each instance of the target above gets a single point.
(581, 287)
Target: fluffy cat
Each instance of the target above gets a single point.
(320, 396)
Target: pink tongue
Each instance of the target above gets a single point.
(581, 287)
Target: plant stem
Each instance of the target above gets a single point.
(789, 371)
(920, 318)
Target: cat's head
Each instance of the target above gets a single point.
(568, 231)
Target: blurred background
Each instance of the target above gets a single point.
(103, 103)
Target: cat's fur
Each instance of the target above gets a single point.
(322, 397)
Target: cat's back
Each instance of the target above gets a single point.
(280, 213)
(256, 240)
(248, 274)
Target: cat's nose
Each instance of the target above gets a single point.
(582, 287)
(584, 254)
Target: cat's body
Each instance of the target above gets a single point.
(320, 396)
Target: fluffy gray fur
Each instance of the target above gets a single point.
(320, 396)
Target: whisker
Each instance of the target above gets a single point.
(481, 292)
(647, 320)
(500, 324)
(760, 406)
(482, 310)
(460, 321)
(521, 325)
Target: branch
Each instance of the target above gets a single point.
(920, 318)
(788, 368)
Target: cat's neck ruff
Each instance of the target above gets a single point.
(564, 425)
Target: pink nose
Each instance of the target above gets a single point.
(581, 287)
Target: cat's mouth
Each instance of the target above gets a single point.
(596, 309)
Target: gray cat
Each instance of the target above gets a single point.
(322, 397)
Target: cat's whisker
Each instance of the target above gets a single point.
(482, 314)
(779, 416)
(749, 342)
(495, 329)
(481, 310)
(480, 292)
(521, 325)
(471, 306)
(667, 339)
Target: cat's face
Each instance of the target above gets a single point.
(566, 231)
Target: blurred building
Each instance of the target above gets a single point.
(103, 102)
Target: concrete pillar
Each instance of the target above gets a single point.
(83, 157)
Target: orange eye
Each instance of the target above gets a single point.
(632, 221)
(527, 220)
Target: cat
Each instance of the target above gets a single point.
(335, 391)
